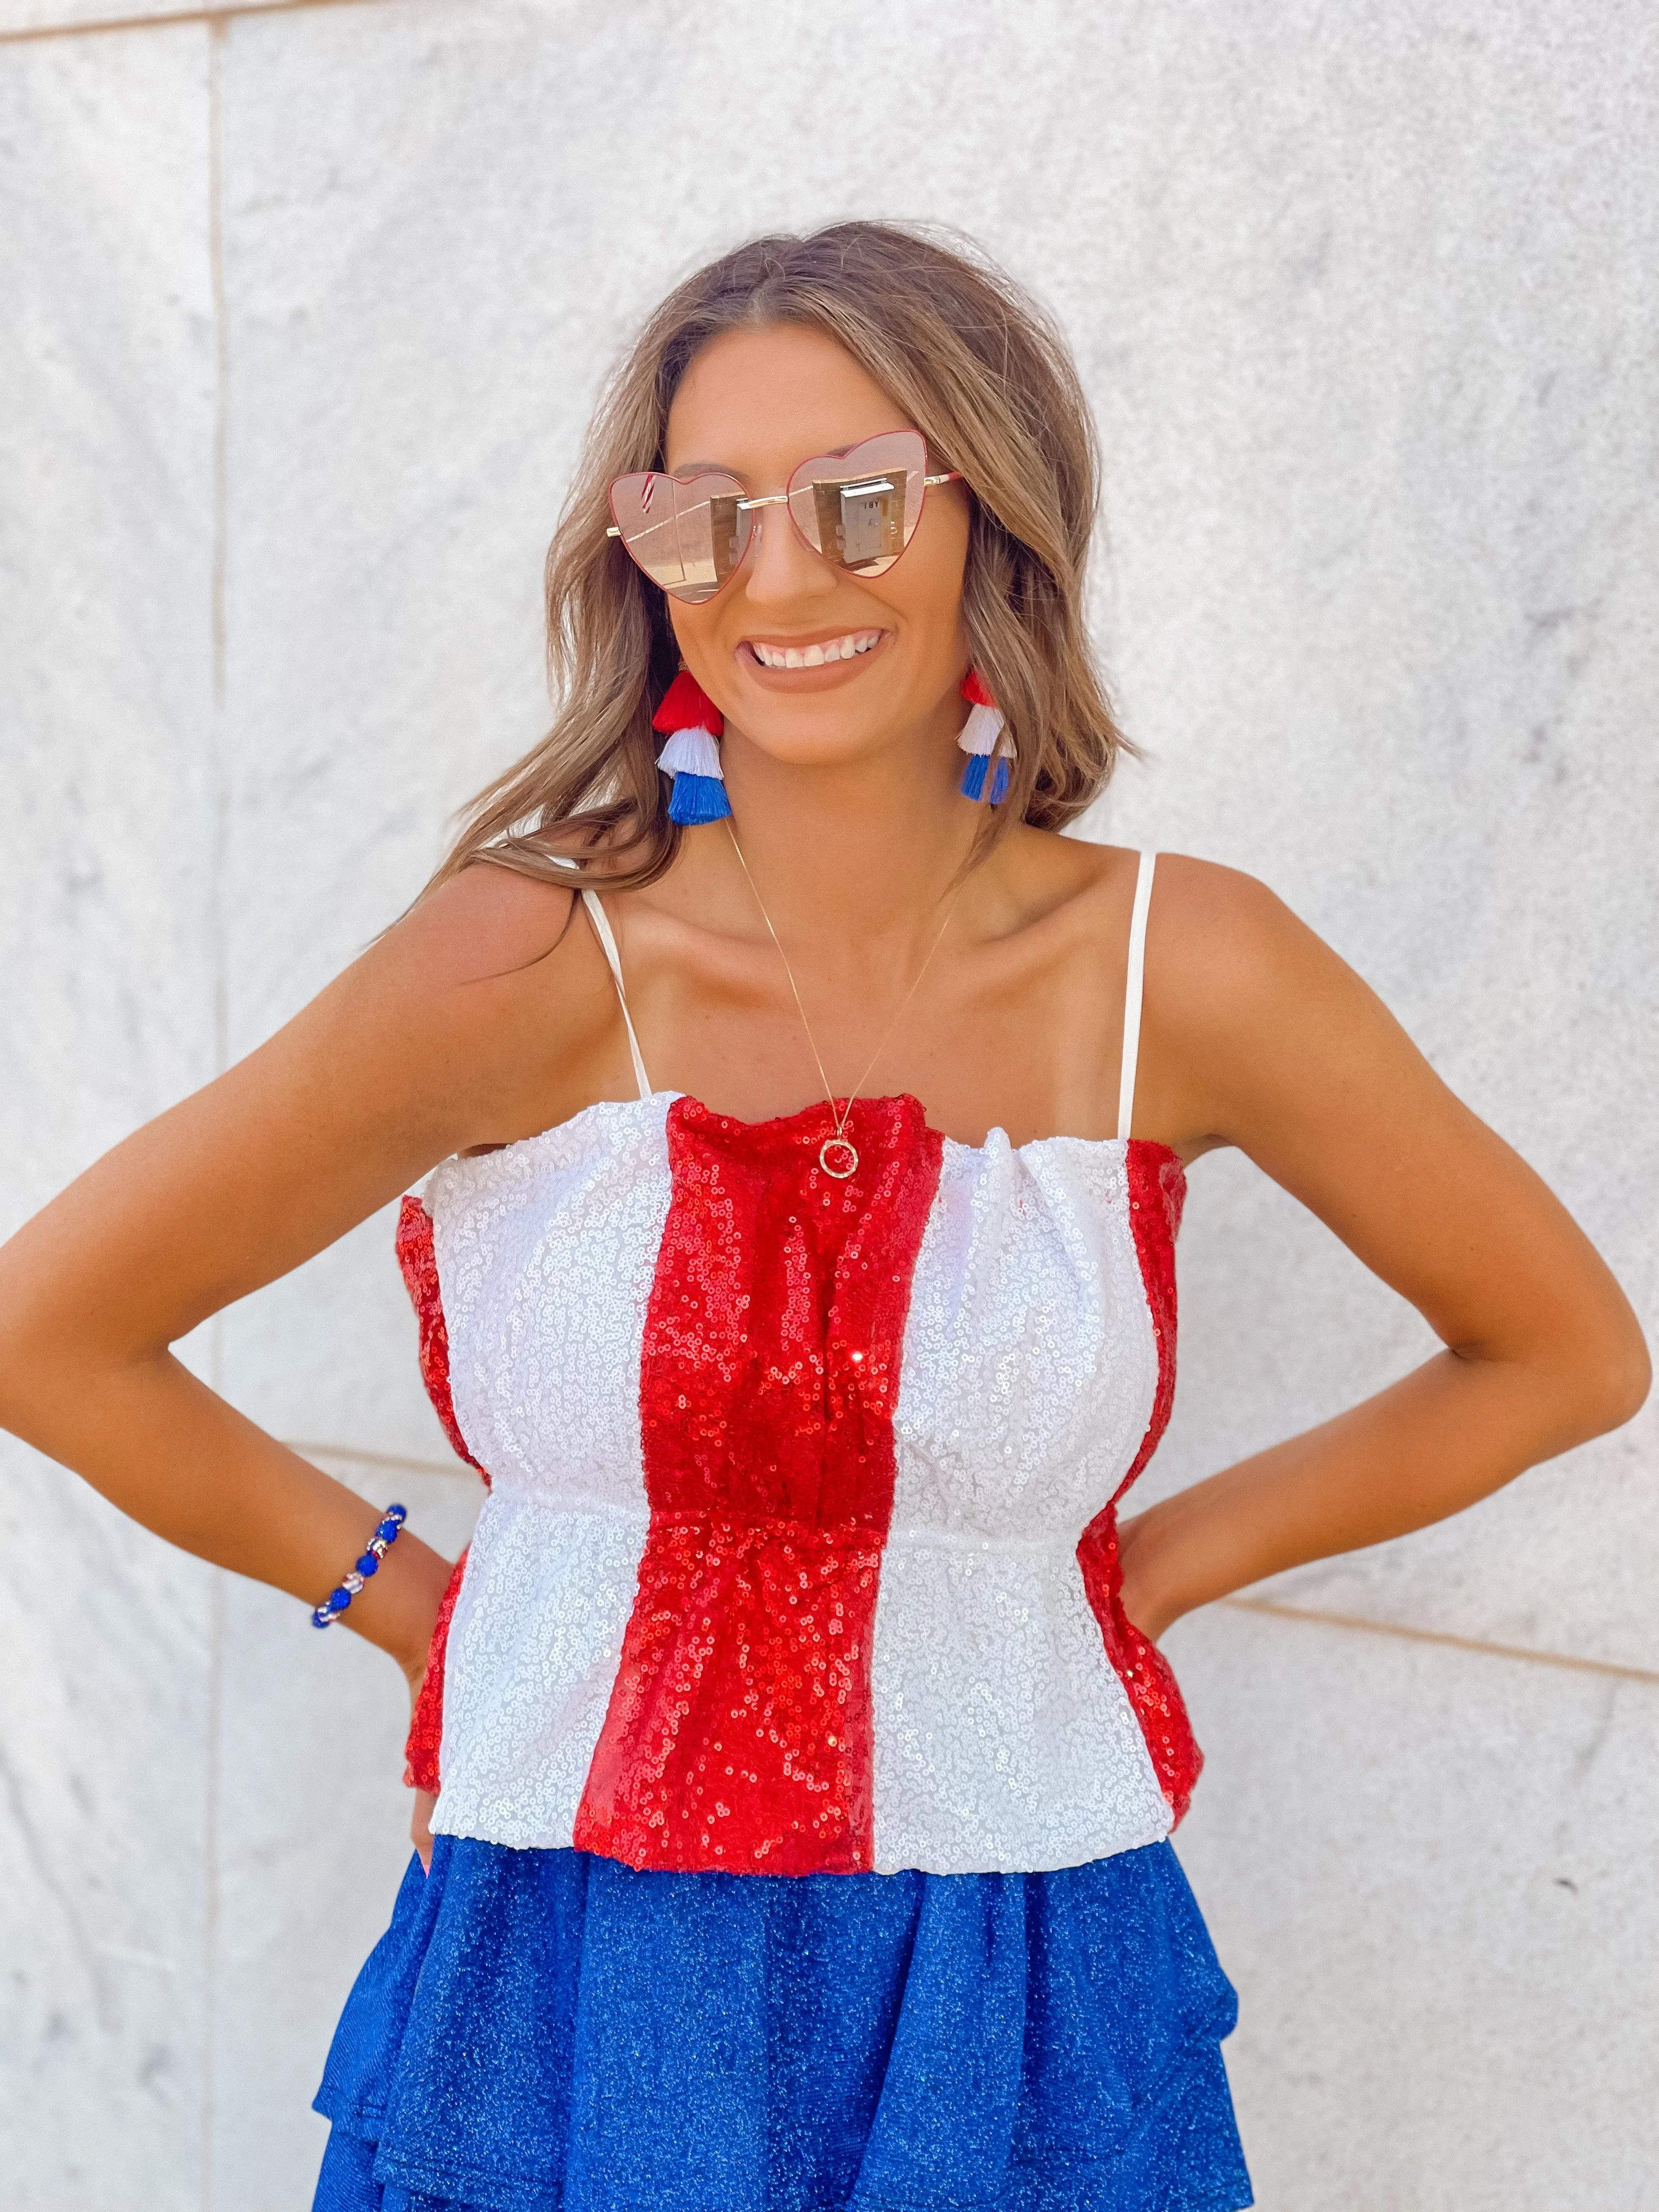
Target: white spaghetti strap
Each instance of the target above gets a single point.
(602, 930)
(1132, 988)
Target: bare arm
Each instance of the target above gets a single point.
(470, 1023)
(1258, 1036)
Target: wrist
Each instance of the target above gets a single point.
(1148, 1557)
(401, 1605)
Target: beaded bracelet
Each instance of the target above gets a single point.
(380, 1544)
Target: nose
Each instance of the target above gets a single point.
(782, 569)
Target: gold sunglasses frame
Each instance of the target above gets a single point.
(781, 499)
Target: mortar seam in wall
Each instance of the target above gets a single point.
(219, 774)
(102, 26)
(1313, 1616)
(404, 1462)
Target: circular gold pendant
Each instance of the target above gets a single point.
(838, 1156)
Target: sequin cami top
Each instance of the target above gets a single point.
(800, 1554)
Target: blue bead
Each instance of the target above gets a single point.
(698, 799)
(397, 1513)
(367, 1565)
(338, 1600)
(388, 1529)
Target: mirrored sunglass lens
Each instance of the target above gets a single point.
(687, 538)
(860, 509)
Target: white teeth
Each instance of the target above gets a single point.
(814, 656)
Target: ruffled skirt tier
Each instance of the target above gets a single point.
(547, 2031)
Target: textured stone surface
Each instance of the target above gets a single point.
(1363, 301)
(314, 1839)
(1381, 472)
(106, 957)
(1428, 1874)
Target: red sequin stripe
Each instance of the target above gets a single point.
(739, 1733)
(1157, 1188)
(426, 1723)
(419, 1263)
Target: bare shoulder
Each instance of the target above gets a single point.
(486, 922)
(1221, 943)
(1211, 929)
(1250, 1016)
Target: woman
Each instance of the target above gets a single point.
(810, 1120)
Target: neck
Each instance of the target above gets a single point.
(864, 850)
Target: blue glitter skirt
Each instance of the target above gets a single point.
(544, 2031)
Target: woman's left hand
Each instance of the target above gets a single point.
(1256, 1034)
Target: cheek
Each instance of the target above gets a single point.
(693, 627)
(929, 582)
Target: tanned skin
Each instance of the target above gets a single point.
(487, 1014)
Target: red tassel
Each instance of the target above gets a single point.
(687, 705)
(975, 690)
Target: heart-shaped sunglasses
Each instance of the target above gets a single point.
(857, 509)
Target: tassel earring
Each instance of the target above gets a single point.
(981, 739)
(691, 757)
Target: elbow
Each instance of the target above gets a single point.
(1613, 1381)
(1628, 1393)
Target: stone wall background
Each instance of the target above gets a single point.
(304, 308)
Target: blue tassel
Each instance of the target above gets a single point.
(973, 778)
(698, 799)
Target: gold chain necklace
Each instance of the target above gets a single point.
(838, 1156)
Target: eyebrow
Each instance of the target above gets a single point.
(693, 468)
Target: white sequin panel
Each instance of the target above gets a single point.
(533, 1651)
(1030, 1363)
(1004, 1740)
(545, 1254)
(1002, 1737)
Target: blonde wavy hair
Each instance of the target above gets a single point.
(983, 372)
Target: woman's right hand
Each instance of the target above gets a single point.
(420, 1825)
(420, 1818)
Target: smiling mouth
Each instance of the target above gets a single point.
(850, 646)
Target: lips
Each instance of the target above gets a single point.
(852, 645)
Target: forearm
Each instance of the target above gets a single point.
(175, 1457)
(1441, 1439)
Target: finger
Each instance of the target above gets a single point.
(420, 1825)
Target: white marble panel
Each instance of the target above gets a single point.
(1428, 1874)
(314, 1839)
(107, 835)
(1381, 497)
(330, 1354)
(107, 1642)
(107, 1646)
(1280, 1329)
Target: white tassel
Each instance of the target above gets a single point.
(692, 752)
(981, 730)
